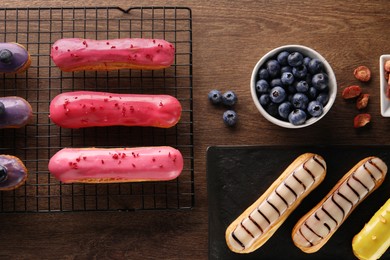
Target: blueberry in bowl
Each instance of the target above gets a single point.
(293, 86)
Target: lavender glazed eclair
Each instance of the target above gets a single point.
(14, 58)
(15, 112)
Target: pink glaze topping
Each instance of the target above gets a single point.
(93, 165)
(87, 109)
(73, 54)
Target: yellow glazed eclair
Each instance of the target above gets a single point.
(374, 239)
(315, 228)
(261, 220)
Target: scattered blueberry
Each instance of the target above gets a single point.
(264, 100)
(285, 109)
(295, 59)
(302, 86)
(315, 66)
(230, 117)
(300, 100)
(277, 95)
(262, 86)
(282, 58)
(287, 78)
(315, 108)
(320, 81)
(297, 117)
(215, 97)
(273, 68)
(229, 98)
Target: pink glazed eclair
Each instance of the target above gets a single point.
(114, 165)
(81, 109)
(75, 54)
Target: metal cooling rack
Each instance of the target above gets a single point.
(37, 29)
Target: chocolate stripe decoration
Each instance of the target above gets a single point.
(290, 189)
(256, 224)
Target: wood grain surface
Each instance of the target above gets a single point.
(228, 39)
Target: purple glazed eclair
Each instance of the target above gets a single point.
(14, 58)
(15, 112)
(13, 173)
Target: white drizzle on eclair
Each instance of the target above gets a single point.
(258, 223)
(315, 228)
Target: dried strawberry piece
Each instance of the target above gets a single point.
(388, 91)
(362, 73)
(362, 101)
(351, 92)
(387, 66)
(361, 120)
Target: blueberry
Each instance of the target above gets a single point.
(292, 89)
(300, 100)
(215, 97)
(282, 58)
(272, 109)
(306, 61)
(277, 95)
(273, 68)
(320, 81)
(285, 109)
(295, 59)
(3, 174)
(230, 117)
(315, 66)
(262, 86)
(300, 71)
(315, 108)
(287, 78)
(229, 98)
(323, 98)
(302, 86)
(6, 56)
(313, 92)
(297, 117)
(276, 82)
(285, 69)
(2, 109)
(264, 100)
(263, 74)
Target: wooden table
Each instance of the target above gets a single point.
(228, 39)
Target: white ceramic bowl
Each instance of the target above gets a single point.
(385, 102)
(306, 52)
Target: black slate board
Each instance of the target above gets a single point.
(238, 175)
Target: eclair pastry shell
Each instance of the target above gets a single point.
(273, 227)
(316, 247)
